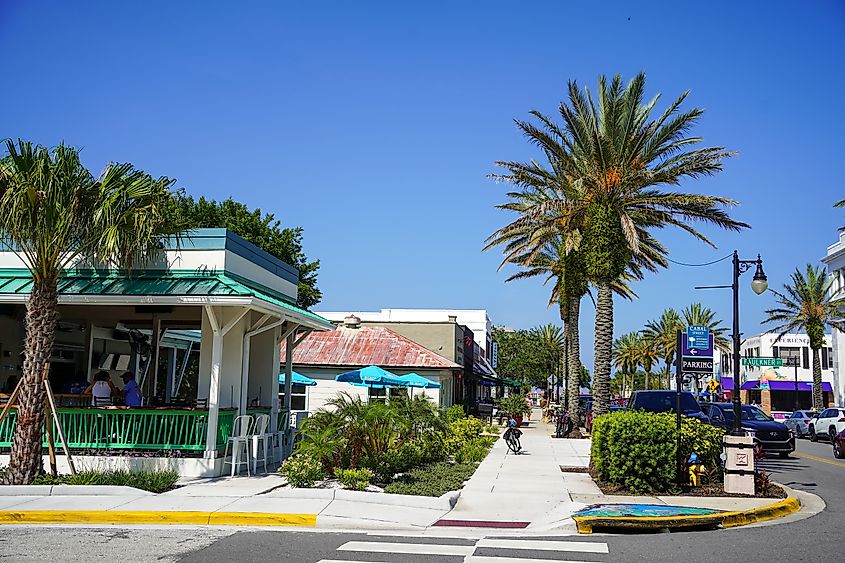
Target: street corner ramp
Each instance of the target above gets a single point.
(659, 517)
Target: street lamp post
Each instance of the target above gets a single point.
(759, 284)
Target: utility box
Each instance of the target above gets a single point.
(739, 464)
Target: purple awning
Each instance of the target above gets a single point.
(774, 385)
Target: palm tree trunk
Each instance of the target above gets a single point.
(25, 462)
(603, 348)
(574, 375)
(818, 397)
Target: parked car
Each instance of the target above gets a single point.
(799, 422)
(771, 435)
(839, 445)
(781, 416)
(827, 424)
(664, 401)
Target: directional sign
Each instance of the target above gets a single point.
(697, 365)
(763, 362)
(698, 337)
(705, 349)
(713, 385)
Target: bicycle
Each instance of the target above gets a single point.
(563, 424)
(512, 435)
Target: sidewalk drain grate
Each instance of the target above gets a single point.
(573, 469)
(481, 524)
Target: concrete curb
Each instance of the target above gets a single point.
(188, 518)
(71, 490)
(730, 519)
(444, 502)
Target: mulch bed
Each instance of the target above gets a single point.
(707, 490)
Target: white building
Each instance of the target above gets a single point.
(835, 261)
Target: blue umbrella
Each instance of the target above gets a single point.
(297, 378)
(371, 376)
(415, 380)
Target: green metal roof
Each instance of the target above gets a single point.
(172, 283)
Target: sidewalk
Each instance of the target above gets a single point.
(526, 491)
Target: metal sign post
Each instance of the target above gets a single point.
(678, 383)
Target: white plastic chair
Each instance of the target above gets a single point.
(262, 436)
(239, 440)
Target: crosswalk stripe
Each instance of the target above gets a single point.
(482, 559)
(345, 561)
(542, 545)
(408, 548)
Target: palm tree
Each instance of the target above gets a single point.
(626, 356)
(552, 340)
(57, 213)
(808, 304)
(648, 356)
(698, 314)
(615, 155)
(662, 333)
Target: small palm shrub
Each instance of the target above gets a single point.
(354, 479)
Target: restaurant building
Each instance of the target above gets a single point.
(200, 326)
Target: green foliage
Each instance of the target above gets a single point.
(605, 248)
(302, 470)
(462, 432)
(354, 479)
(432, 480)
(522, 355)
(637, 449)
(261, 229)
(153, 480)
(453, 413)
(475, 450)
(514, 405)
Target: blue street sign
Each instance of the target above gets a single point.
(705, 351)
(698, 337)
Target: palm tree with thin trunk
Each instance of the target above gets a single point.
(616, 154)
(809, 304)
(626, 356)
(59, 215)
(648, 356)
(663, 335)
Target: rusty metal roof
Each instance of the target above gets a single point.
(365, 346)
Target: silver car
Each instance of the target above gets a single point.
(798, 423)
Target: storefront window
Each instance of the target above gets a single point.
(298, 397)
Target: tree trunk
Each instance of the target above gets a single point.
(603, 348)
(25, 462)
(818, 396)
(573, 337)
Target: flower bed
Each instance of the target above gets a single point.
(399, 445)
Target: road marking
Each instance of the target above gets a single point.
(542, 545)
(408, 548)
(820, 459)
(482, 559)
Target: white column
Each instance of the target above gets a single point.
(214, 384)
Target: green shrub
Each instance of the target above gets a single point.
(153, 480)
(514, 405)
(302, 470)
(637, 449)
(383, 465)
(474, 451)
(432, 480)
(453, 413)
(461, 432)
(354, 479)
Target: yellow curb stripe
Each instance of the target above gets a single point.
(191, 518)
(726, 519)
(819, 459)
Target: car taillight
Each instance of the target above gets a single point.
(841, 419)
(806, 421)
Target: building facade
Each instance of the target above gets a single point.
(835, 262)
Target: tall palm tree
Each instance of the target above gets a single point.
(648, 356)
(57, 213)
(809, 304)
(615, 155)
(698, 314)
(662, 333)
(552, 339)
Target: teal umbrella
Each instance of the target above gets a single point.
(372, 376)
(415, 380)
(297, 378)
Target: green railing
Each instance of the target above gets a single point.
(136, 429)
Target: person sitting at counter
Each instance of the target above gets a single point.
(131, 392)
(101, 388)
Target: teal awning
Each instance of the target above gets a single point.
(415, 380)
(297, 378)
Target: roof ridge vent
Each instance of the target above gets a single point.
(352, 321)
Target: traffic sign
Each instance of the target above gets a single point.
(763, 362)
(704, 349)
(713, 385)
(696, 365)
(698, 337)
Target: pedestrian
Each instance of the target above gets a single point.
(529, 406)
(101, 389)
(131, 392)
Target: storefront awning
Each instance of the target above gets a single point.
(774, 385)
(174, 287)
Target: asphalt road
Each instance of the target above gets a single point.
(818, 538)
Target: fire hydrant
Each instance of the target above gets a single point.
(696, 470)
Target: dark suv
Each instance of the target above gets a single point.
(665, 401)
(772, 436)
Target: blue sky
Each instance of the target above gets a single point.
(374, 125)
